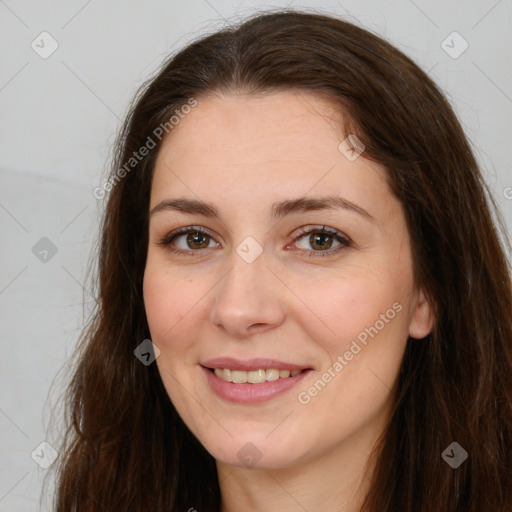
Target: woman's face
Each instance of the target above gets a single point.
(294, 256)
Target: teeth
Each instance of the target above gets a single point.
(238, 377)
(254, 376)
(271, 375)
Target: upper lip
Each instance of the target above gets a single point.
(251, 364)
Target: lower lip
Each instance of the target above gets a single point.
(251, 393)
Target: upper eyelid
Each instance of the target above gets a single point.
(305, 230)
(187, 229)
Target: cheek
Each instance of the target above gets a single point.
(170, 303)
(173, 303)
(348, 306)
(158, 302)
(365, 326)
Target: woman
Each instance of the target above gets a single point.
(304, 303)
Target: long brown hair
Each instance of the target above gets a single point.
(126, 448)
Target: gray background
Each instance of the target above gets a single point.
(59, 116)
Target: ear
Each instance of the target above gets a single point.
(422, 319)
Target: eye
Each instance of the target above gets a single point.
(317, 241)
(322, 241)
(188, 239)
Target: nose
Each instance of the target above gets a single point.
(249, 299)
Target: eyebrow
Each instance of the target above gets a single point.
(278, 211)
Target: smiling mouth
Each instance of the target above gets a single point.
(258, 382)
(253, 376)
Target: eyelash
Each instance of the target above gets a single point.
(340, 237)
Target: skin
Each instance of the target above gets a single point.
(293, 303)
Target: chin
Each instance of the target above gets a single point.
(258, 453)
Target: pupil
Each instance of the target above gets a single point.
(194, 239)
(323, 240)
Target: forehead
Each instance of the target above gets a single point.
(274, 121)
(260, 147)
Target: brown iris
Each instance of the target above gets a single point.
(320, 241)
(197, 240)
